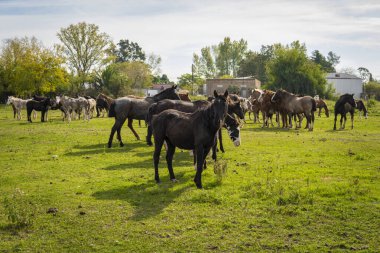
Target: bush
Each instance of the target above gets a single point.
(371, 103)
(19, 210)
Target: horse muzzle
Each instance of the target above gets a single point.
(237, 142)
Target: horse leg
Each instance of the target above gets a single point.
(308, 120)
(352, 120)
(158, 142)
(149, 136)
(169, 159)
(200, 160)
(336, 115)
(312, 121)
(119, 135)
(130, 121)
(113, 130)
(213, 151)
(139, 123)
(42, 116)
(319, 111)
(220, 140)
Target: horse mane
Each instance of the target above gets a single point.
(107, 98)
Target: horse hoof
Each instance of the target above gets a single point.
(121, 144)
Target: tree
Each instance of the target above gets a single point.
(129, 51)
(365, 75)
(154, 62)
(85, 48)
(28, 67)
(221, 59)
(372, 88)
(291, 69)
(254, 63)
(185, 82)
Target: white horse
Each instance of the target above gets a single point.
(18, 104)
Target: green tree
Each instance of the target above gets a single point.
(85, 49)
(221, 59)
(185, 82)
(28, 67)
(254, 64)
(372, 88)
(292, 70)
(129, 51)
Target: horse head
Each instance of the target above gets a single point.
(169, 93)
(9, 100)
(220, 106)
(233, 127)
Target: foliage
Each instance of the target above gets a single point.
(19, 210)
(232, 89)
(254, 63)
(327, 65)
(164, 79)
(85, 48)
(154, 62)
(121, 78)
(371, 103)
(291, 70)
(27, 67)
(129, 51)
(372, 89)
(190, 82)
(365, 75)
(221, 59)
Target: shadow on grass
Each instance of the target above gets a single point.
(100, 148)
(181, 159)
(149, 199)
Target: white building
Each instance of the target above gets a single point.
(345, 83)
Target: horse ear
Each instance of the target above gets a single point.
(226, 93)
(215, 93)
(174, 87)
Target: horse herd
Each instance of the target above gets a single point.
(191, 125)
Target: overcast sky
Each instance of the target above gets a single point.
(175, 29)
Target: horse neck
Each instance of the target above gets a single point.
(160, 96)
(213, 120)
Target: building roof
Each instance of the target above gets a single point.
(341, 76)
(236, 78)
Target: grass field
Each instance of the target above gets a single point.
(283, 190)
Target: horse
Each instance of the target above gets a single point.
(291, 104)
(361, 107)
(267, 107)
(133, 108)
(190, 131)
(322, 104)
(42, 106)
(184, 95)
(190, 107)
(346, 103)
(103, 103)
(17, 105)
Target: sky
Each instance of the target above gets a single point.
(175, 29)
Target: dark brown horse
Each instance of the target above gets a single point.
(346, 103)
(190, 131)
(293, 105)
(103, 103)
(321, 104)
(42, 106)
(134, 108)
(361, 107)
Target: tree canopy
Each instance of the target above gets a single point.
(292, 70)
(27, 67)
(85, 48)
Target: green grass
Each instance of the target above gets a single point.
(283, 190)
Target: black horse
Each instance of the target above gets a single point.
(361, 107)
(189, 107)
(191, 131)
(42, 106)
(134, 108)
(346, 103)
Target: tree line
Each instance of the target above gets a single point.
(87, 60)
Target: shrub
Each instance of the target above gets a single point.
(19, 210)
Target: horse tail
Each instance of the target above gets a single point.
(151, 112)
(314, 105)
(112, 112)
